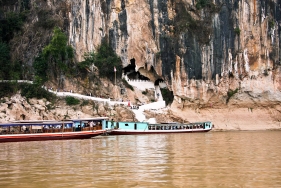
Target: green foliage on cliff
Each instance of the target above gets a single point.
(271, 23)
(36, 91)
(26, 90)
(4, 61)
(202, 3)
(9, 70)
(10, 25)
(71, 100)
(105, 59)
(40, 66)
(230, 93)
(55, 59)
(237, 30)
(58, 52)
(7, 89)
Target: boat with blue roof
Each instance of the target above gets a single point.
(39, 130)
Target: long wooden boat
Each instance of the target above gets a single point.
(18, 131)
(131, 128)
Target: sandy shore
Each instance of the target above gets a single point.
(234, 118)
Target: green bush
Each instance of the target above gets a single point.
(11, 23)
(271, 24)
(36, 91)
(237, 30)
(26, 90)
(71, 100)
(230, 93)
(4, 61)
(105, 59)
(84, 103)
(8, 89)
(55, 59)
(202, 3)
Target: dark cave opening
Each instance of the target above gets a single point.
(156, 83)
(131, 73)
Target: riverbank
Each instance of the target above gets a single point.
(224, 118)
(234, 118)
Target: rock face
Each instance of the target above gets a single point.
(211, 54)
(19, 108)
(199, 48)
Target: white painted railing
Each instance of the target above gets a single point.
(19, 81)
(141, 85)
(64, 94)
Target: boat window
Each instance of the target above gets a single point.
(15, 129)
(135, 126)
(3, 129)
(126, 124)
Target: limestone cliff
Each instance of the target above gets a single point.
(202, 49)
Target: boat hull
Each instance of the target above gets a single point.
(49, 136)
(136, 132)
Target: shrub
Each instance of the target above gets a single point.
(271, 24)
(230, 93)
(7, 89)
(237, 30)
(105, 59)
(36, 91)
(26, 90)
(202, 3)
(84, 103)
(71, 100)
(56, 57)
(11, 24)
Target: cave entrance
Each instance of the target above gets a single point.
(158, 81)
(130, 71)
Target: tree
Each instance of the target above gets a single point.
(105, 59)
(55, 59)
(58, 52)
(4, 60)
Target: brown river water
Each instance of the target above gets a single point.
(213, 159)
